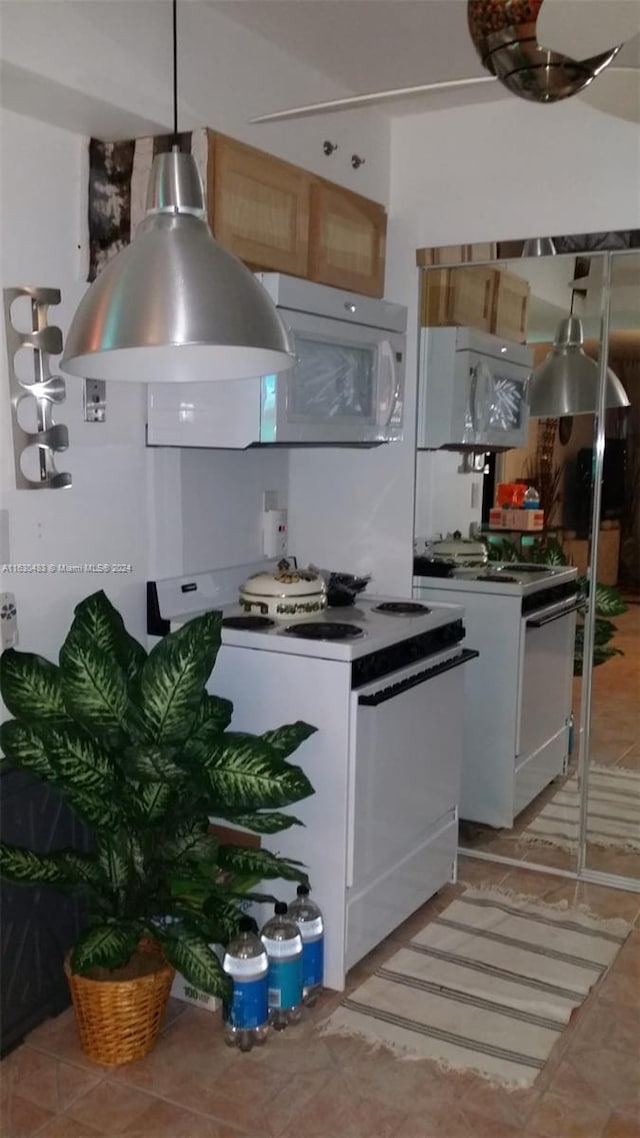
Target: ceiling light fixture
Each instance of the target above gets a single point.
(566, 382)
(174, 306)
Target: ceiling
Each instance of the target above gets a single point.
(373, 45)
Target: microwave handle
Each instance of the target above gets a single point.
(476, 371)
(387, 355)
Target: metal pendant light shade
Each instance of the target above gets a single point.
(174, 306)
(566, 383)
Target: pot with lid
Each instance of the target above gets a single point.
(457, 551)
(284, 593)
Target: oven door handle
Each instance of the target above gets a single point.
(546, 616)
(419, 678)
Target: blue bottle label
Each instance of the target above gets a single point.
(249, 1007)
(313, 962)
(285, 982)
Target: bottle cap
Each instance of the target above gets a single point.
(303, 891)
(280, 908)
(248, 925)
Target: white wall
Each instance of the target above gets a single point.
(86, 56)
(101, 518)
(81, 63)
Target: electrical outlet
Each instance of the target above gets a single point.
(269, 500)
(95, 400)
(476, 496)
(8, 620)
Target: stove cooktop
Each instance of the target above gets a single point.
(324, 630)
(363, 629)
(514, 577)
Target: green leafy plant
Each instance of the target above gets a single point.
(143, 755)
(608, 600)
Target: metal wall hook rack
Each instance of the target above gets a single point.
(357, 161)
(45, 389)
(329, 147)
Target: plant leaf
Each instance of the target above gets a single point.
(608, 601)
(214, 716)
(94, 685)
(24, 867)
(108, 945)
(151, 802)
(174, 676)
(271, 823)
(285, 740)
(96, 616)
(113, 857)
(191, 956)
(32, 688)
(243, 772)
(101, 813)
(24, 749)
(190, 841)
(245, 859)
(148, 763)
(80, 762)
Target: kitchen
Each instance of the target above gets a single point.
(163, 530)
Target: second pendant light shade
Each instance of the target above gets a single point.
(174, 306)
(566, 382)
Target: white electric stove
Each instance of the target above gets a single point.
(384, 690)
(517, 707)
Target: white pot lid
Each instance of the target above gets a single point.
(285, 583)
(456, 549)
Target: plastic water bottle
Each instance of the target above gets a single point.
(246, 962)
(531, 500)
(281, 938)
(309, 920)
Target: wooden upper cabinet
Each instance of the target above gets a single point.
(258, 206)
(458, 297)
(510, 306)
(347, 240)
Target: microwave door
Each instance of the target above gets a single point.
(498, 410)
(330, 395)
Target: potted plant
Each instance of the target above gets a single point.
(143, 755)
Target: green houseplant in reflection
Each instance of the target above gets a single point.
(609, 602)
(142, 754)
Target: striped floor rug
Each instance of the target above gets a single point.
(487, 986)
(613, 812)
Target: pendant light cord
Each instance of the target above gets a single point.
(175, 69)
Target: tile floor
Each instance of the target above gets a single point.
(192, 1086)
(615, 741)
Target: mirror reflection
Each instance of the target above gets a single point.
(613, 782)
(502, 526)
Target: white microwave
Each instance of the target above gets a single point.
(473, 390)
(346, 389)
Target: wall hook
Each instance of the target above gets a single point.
(357, 162)
(329, 147)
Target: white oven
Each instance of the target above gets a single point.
(346, 388)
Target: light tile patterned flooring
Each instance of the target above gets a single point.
(192, 1086)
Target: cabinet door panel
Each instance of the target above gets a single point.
(259, 207)
(461, 297)
(510, 307)
(347, 240)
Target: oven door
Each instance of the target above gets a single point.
(403, 796)
(347, 386)
(547, 643)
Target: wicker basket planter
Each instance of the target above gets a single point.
(119, 1020)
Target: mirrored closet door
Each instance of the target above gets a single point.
(503, 345)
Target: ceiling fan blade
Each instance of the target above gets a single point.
(373, 99)
(580, 28)
(616, 92)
